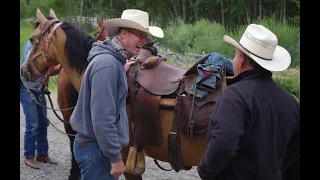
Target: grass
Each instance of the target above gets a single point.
(25, 33)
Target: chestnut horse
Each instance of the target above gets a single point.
(103, 32)
(70, 47)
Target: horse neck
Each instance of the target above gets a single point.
(74, 77)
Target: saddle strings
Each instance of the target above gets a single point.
(190, 122)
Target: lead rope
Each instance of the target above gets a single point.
(40, 99)
(47, 92)
(39, 103)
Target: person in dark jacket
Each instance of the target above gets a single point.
(254, 129)
(99, 117)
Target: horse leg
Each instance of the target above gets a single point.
(67, 97)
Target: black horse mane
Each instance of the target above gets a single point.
(77, 47)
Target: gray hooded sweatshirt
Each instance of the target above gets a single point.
(100, 113)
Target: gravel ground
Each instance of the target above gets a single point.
(59, 150)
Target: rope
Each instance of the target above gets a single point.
(156, 162)
(59, 130)
(65, 122)
(35, 100)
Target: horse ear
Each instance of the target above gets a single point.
(100, 23)
(40, 17)
(52, 14)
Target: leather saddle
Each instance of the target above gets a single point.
(156, 75)
(151, 79)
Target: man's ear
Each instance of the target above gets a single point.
(242, 59)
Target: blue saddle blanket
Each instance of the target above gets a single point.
(210, 74)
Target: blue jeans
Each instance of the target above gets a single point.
(35, 136)
(93, 164)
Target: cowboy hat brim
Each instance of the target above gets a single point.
(118, 22)
(281, 58)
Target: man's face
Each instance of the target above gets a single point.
(133, 39)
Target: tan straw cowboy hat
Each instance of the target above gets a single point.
(261, 45)
(135, 19)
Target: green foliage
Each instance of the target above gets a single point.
(53, 83)
(206, 37)
(25, 32)
(202, 36)
(289, 79)
(23, 9)
(27, 11)
(288, 37)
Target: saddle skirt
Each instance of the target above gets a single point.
(162, 80)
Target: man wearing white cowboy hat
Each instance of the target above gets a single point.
(254, 130)
(99, 117)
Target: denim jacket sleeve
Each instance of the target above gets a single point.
(25, 51)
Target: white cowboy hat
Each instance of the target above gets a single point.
(261, 45)
(135, 19)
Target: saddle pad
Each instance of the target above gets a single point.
(193, 68)
(161, 80)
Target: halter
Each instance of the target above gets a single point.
(44, 53)
(43, 50)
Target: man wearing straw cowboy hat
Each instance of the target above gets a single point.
(260, 138)
(99, 117)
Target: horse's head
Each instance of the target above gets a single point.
(40, 56)
(103, 32)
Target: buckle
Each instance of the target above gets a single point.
(191, 124)
(173, 133)
(49, 38)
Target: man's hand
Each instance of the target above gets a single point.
(56, 70)
(129, 63)
(117, 169)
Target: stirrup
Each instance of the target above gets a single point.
(140, 164)
(131, 160)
